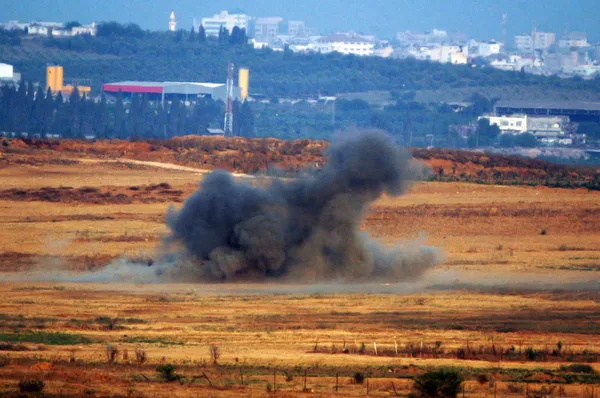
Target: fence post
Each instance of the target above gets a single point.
(305, 371)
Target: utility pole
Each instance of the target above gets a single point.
(228, 123)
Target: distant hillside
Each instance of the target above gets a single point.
(290, 157)
(132, 54)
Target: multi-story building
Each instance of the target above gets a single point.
(422, 38)
(574, 39)
(513, 124)
(535, 41)
(213, 25)
(267, 28)
(296, 28)
(344, 44)
(485, 48)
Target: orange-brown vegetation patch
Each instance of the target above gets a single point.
(256, 155)
(158, 193)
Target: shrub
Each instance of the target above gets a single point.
(578, 368)
(359, 378)
(31, 385)
(111, 353)
(140, 356)
(167, 372)
(531, 353)
(515, 388)
(443, 383)
(215, 354)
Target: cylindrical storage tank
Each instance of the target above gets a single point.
(59, 78)
(51, 78)
(244, 83)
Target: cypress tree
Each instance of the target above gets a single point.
(201, 34)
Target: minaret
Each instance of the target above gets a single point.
(172, 22)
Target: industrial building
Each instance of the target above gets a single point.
(577, 111)
(162, 91)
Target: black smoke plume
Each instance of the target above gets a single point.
(304, 229)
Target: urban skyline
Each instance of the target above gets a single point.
(383, 18)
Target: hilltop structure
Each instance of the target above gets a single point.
(172, 22)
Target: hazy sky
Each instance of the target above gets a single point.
(477, 18)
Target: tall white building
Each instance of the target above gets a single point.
(224, 19)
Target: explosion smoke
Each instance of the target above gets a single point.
(305, 229)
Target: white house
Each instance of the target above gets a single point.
(485, 48)
(345, 45)
(35, 29)
(513, 124)
(6, 71)
(85, 30)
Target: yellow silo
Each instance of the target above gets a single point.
(244, 83)
(54, 78)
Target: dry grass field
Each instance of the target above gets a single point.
(514, 307)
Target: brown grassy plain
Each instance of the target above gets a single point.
(522, 271)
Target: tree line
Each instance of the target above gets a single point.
(23, 109)
(127, 52)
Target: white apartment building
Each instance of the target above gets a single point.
(574, 39)
(535, 41)
(345, 45)
(267, 28)
(296, 28)
(213, 25)
(513, 124)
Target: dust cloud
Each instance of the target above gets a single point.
(301, 230)
(304, 229)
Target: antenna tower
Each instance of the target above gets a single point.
(228, 124)
(504, 34)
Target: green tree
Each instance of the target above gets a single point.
(223, 36)
(591, 129)
(246, 120)
(486, 133)
(526, 140)
(201, 34)
(443, 383)
(192, 35)
(507, 140)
